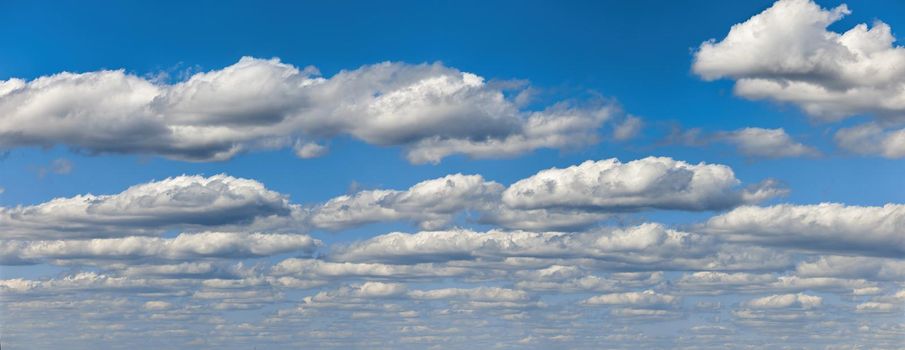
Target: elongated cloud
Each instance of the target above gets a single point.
(767, 143)
(432, 110)
(786, 54)
(431, 203)
(644, 243)
(827, 226)
(182, 247)
(182, 201)
(658, 183)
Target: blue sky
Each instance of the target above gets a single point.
(798, 112)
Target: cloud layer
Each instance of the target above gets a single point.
(432, 110)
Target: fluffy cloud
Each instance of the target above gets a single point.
(610, 185)
(553, 199)
(182, 201)
(182, 247)
(826, 226)
(430, 203)
(786, 54)
(768, 143)
(432, 110)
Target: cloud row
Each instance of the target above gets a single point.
(573, 197)
(433, 111)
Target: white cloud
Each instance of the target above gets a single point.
(786, 54)
(645, 299)
(310, 268)
(826, 226)
(871, 268)
(871, 138)
(489, 294)
(784, 301)
(628, 128)
(431, 203)
(647, 243)
(182, 201)
(659, 183)
(183, 247)
(715, 282)
(553, 199)
(768, 143)
(432, 110)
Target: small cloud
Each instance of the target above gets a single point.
(59, 166)
(628, 129)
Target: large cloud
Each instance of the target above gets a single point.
(827, 226)
(658, 183)
(787, 54)
(182, 201)
(432, 110)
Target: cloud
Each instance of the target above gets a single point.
(432, 110)
(553, 199)
(871, 268)
(629, 128)
(319, 269)
(783, 301)
(872, 139)
(767, 143)
(786, 54)
(182, 201)
(717, 282)
(820, 227)
(648, 183)
(431, 203)
(225, 203)
(647, 243)
(185, 246)
(646, 299)
(488, 294)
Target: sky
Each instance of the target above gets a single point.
(423, 174)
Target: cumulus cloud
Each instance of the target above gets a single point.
(648, 183)
(786, 54)
(553, 199)
(431, 203)
(182, 201)
(183, 247)
(826, 226)
(432, 110)
(767, 143)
